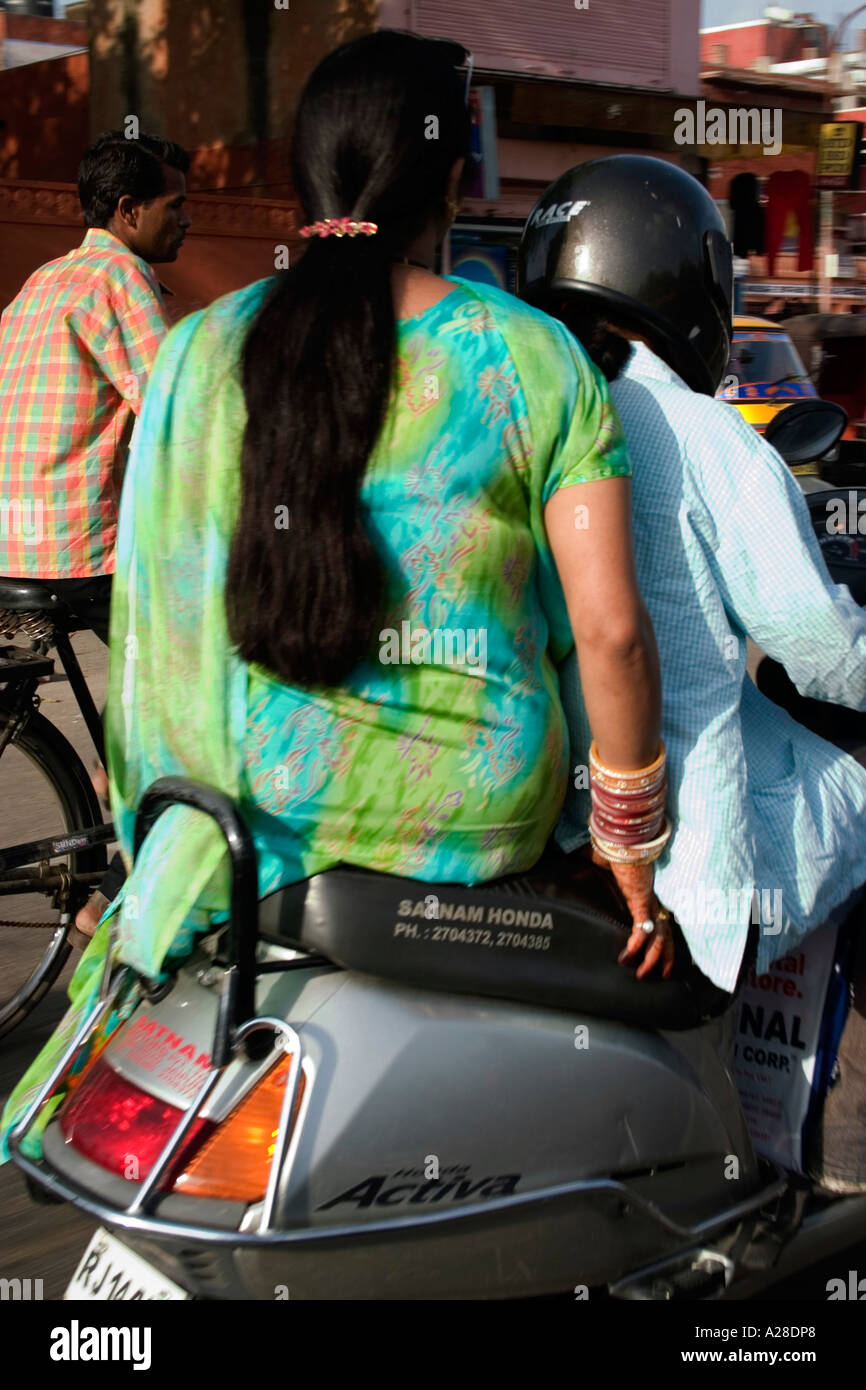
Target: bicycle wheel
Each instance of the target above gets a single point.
(45, 783)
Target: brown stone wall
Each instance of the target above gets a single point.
(232, 241)
(41, 29)
(222, 77)
(44, 119)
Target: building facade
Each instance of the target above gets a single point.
(555, 84)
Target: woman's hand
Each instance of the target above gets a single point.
(635, 882)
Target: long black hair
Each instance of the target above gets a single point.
(608, 349)
(380, 124)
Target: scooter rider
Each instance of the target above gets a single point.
(633, 248)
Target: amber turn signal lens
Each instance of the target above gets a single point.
(235, 1162)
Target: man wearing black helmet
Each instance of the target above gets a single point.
(631, 253)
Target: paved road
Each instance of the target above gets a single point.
(40, 1242)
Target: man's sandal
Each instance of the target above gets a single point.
(79, 939)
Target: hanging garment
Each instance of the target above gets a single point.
(789, 192)
(748, 215)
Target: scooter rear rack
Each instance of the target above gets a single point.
(236, 1028)
(237, 1025)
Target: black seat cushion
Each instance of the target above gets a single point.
(30, 596)
(551, 938)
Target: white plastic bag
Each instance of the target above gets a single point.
(781, 1032)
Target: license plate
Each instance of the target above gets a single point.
(110, 1270)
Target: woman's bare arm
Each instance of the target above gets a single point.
(618, 661)
(616, 649)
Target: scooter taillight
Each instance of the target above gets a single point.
(122, 1128)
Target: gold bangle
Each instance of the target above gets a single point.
(631, 778)
(645, 786)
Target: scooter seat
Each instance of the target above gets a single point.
(32, 608)
(30, 596)
(528, 938)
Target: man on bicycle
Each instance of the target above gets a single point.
(76, 346)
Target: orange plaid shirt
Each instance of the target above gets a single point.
(77, 344)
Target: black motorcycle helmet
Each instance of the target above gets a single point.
(639, 241)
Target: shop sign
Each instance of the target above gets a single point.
(838, 155)
(770, 289)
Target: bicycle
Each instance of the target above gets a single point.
(64, 857)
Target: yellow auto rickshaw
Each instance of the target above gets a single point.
(764, 372)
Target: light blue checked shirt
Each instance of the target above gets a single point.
(725, 549)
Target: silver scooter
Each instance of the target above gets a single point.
(366, 1087)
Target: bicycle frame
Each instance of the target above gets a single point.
(81, 691)
(16, 856)
(20, 672)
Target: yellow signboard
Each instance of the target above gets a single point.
(838, 154)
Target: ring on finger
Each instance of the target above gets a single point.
(648, 926)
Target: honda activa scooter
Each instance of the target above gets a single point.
(367, 1087)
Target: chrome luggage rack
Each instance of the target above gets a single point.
(238, 1029)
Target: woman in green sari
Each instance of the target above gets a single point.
(367, 510)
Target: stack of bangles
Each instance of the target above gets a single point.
(628, 824)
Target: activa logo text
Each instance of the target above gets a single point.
(377, 1191)
(854, 1290)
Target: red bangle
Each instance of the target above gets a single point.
(625, 816)
(618, 853)
(626, 835)
(635, 833)
(652, 788)
(635, 809)
(629, 814)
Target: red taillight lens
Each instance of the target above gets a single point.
(121, 1127)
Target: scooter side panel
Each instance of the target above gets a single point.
(425, 1104)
